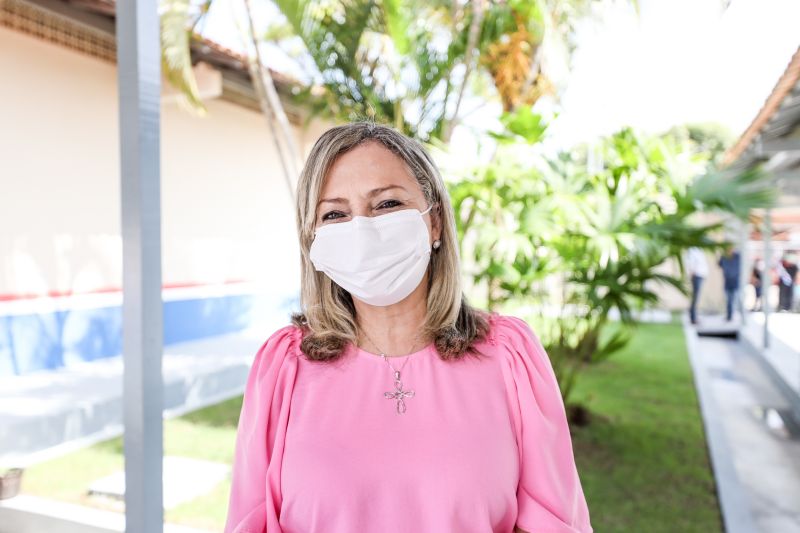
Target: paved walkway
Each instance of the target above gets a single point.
(783, 353)
(29, 514)
(49, 413)
(753, 440)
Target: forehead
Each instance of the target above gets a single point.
(366, 167)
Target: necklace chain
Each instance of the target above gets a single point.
(398, 394)
(386, 357)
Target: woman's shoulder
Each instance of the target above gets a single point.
(527, 365)
(505, 329)
(274, 368)
(281, 345)
(516, 342)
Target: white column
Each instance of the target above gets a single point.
(766, 278)
(139, 78)
(744, 271)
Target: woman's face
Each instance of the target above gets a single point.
(370, 181)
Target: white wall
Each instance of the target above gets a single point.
(226, 210)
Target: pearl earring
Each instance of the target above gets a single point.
(436, 244)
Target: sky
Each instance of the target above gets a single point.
(679, 61)
(675, 62)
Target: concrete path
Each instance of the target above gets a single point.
(49, 413)
(753, 439)
(783, 353)
(29, 514)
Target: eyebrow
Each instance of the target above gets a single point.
(373, 192)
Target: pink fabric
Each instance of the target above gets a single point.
(483, 446)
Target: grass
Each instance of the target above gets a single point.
(207, 434)
(643, 460)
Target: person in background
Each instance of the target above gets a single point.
(697, 266)
(787, 274)
(796, 307)
(730, 265)
(756, 280)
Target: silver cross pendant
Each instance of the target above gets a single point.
(399, 394)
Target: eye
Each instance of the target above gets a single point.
(388, 204)
(332, 215)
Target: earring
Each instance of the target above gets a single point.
(436, 244)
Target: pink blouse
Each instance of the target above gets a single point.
(483, 445)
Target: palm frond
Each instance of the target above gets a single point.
(176, 59)
(736, 193)
(397, 24)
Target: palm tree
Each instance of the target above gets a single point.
(178, 21)
(377, 60)
(403, 62)
(582, 240)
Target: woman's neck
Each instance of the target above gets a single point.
(394, 329)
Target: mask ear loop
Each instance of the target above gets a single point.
(429, 208)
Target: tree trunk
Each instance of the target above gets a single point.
(472, 42)
(273, 110)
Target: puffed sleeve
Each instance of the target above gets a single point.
(549, 495)
(255, 498)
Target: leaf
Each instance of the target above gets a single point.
(175, 50)
(278, 31)
(737, 193)
(509, 57)
(397, 24)
(618, 340)
(294, 11)
(521, 125)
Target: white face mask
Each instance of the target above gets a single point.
(379, 260)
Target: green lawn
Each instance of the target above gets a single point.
(206, 434)
(642, 460)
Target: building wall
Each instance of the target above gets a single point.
(228, 235)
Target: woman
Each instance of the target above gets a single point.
(390, 404)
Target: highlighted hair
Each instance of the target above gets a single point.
(328, 316)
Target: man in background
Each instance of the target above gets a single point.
(787, 274)
(697, 266)
(730, 265)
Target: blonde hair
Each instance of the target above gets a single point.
(328, 315)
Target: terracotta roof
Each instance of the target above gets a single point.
(229, 57)
(785, 84)
(106, 7)
(219, 48)
(240, 60)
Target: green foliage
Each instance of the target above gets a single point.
(397, 21)
(176, 16)
(709, 138)
(582, 235)
(401, 62)
(375, 60)
(735, 193)
(522, 125)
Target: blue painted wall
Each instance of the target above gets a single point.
(30, 343)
